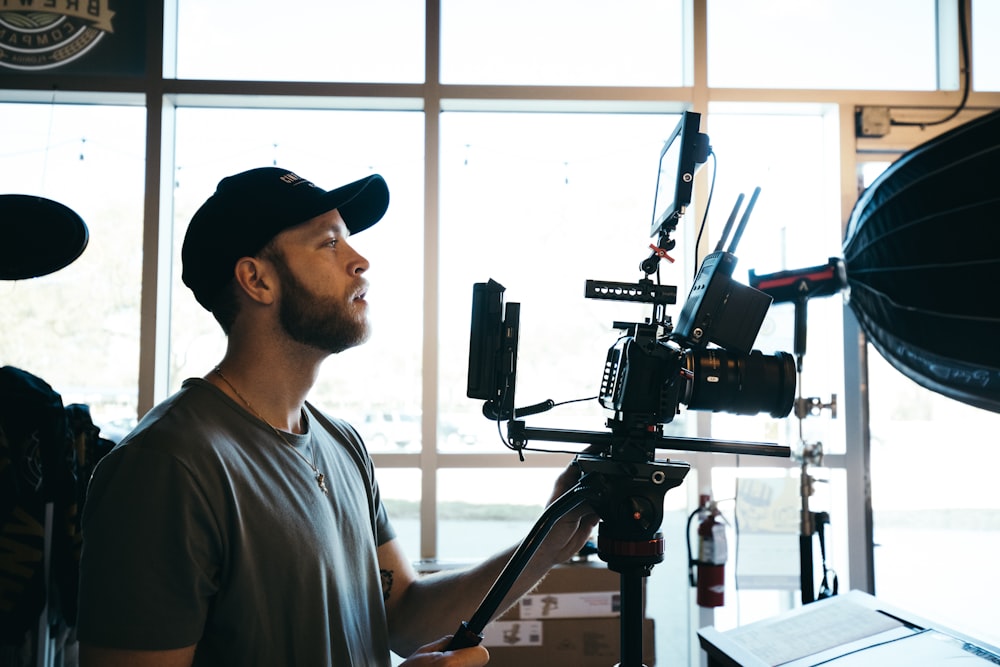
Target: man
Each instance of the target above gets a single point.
(239, 525)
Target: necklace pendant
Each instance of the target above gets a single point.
(321, 480)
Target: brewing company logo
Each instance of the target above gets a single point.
(43, 34)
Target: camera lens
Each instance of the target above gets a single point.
(740, 384)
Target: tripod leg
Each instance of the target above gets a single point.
(631, 617)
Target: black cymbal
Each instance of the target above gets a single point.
(38, 236)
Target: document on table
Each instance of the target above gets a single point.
(844, 634)
(813, 630)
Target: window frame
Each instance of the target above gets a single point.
(163, 94)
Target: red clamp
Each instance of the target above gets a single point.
(661, 253)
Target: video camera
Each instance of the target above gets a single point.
(705, 361)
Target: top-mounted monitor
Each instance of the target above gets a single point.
(683, 153)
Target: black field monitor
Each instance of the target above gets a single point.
(683, 153)
(493, 341)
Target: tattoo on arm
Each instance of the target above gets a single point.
(386, 583)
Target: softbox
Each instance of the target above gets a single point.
(922, 252)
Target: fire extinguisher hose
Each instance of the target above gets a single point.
(692, 561)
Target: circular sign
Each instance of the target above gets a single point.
(34, 40)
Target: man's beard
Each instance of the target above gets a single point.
(317, 322)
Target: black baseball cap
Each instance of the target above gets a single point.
(250, 208)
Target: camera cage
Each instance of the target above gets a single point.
(642, 384)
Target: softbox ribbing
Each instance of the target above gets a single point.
(922, 252)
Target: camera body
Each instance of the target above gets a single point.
(705, 361)
(647, 377)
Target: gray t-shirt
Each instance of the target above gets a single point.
(203, 527)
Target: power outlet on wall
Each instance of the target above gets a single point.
(873, 121)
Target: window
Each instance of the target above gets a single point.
(541, 203)
(78, 328)
(527, 153)
(785, 150)
(934, 502)
(564, 43)
(793, 226)
(985, 50)
(376, 40)
(400, 489)
(890, 45)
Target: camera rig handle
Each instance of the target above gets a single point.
(470, 633)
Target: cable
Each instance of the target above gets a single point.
(966, 71)
(547, 405)
(708, 205)
(865, 648)
(736, 540)
(575, 400)
(692, 561)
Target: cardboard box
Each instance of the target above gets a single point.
(588, 604)
(587, 575)
(582, 642)
(586, 589)
(513, 634)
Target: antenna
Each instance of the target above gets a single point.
(744, 220)
(729, 224)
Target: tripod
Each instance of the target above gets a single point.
(626, 487)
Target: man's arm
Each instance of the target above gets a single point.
(420, 609)
(95, 656)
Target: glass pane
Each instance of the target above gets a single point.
(924, 512)
(78, 328)
(795, 224)
(400, 489)
(849, 44)
(312, 40)
(541, 203)
(763, 509)
(482, 511)
(669, 596)
(563, 42)
(934, 501)
(330, 148)
(985, 48)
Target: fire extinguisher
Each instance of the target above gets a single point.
(707, 572)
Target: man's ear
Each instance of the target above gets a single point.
(255, 278)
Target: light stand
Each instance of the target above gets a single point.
(625, 486)
(811, 523)
(799, 286)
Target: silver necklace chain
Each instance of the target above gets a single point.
(320, 477)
